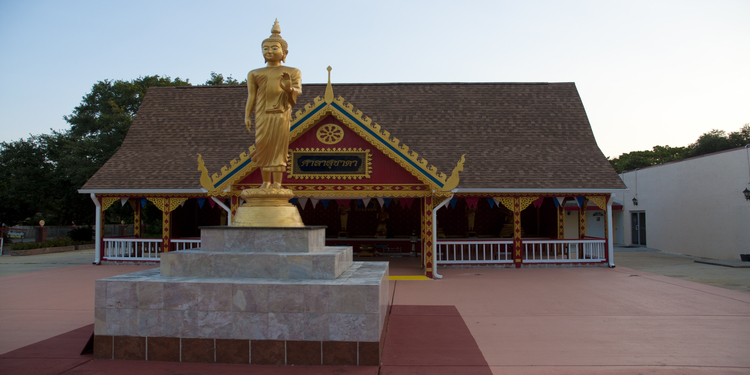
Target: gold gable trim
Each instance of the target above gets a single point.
(312, 113)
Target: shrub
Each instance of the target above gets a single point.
(62, 241)
(81, 234)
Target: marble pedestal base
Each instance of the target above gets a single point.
(217, 305)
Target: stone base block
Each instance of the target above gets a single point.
(145, 304)
(328, 263)
(257, 352)
(263, 240)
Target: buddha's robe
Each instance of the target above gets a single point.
(273, 114)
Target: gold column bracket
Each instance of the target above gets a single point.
(174, 202)
(507, 202)
(158, 202)
(599, 201)
(108, 201)
(527, 201)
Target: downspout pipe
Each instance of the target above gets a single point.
(610, 237)
(98, 251)
(434, 235)
(227, 209)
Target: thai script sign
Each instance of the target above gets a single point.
(336, 164)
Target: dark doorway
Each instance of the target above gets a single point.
(638, 228)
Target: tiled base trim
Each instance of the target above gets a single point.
(257, 352)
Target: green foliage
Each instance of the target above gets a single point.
(719, 140)
(640, 159)
(713, 141)
(57, 242)
(81, 234)
(218, 79)
(40, 176)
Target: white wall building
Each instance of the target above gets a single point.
(693, 206)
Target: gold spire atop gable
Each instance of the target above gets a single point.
(329, 88)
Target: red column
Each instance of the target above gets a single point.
(427, 214)
(166, 227)
(517, 259)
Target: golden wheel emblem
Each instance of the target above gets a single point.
(330, 134)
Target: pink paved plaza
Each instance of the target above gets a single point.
(523, 321)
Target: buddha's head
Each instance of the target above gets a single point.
(275, 47)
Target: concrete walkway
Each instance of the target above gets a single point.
(733, 275)
(628, 320)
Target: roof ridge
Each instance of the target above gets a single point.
(380, 84)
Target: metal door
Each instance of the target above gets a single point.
(638, 228)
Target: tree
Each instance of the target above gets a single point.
(640, 159)
(719, 140)
(43, 174)
(712, 141)
(24, 179)
(218, 79)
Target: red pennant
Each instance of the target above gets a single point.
(343, 202)
(406, 202)
(538, 203)
(472, 201)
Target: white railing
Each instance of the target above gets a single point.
(131, 248)
(564, 251)
(185, 243)
(474, 252)
(137, 249)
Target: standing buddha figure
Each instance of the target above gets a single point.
(272, 92)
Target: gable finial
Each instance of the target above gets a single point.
(329, 89)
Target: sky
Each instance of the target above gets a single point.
(648, 72)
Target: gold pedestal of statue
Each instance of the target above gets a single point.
(267, 207)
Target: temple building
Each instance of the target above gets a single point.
(459, 174)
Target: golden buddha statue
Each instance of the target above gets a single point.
(272, 92)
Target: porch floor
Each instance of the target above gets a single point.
(521, 321)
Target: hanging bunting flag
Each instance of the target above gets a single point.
(580, 200)
(538, 203)
(497, 201)
(366, 201)
(387, 201)
(381, 202)
(303, 202)
(491, 202)
(211, 202)
(183, 203)
(143, 202)
(559, 201)
(314, 202)
(201, 201)
(123, 201)
(454, 200)
(406, 202)
(325, 203)
(343, 202)
(472, 201)
(293, 201)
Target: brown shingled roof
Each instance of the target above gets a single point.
(515, 135)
